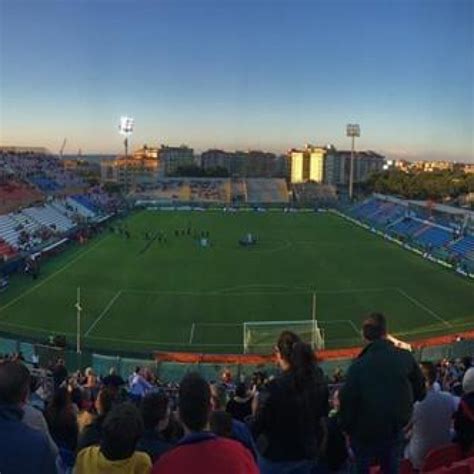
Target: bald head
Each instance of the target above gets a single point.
(14, 382)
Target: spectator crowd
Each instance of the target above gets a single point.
(386, 408)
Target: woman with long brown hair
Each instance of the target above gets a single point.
(290, 409)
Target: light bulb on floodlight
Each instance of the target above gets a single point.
(126, 125)
(353, 130)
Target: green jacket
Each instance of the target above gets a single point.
(381, 386)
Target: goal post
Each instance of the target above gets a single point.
(260, 337)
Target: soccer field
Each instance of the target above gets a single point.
(146, 295)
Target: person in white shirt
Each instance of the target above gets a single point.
(431, 421)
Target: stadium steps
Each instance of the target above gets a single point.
(48, 216)
(61, 208)
(394, 223)
(435, 236)
(380, 210)
(407, 227)
(8, 232)
(80, 208)
(418, 233)
(29, 224)
(464, 247)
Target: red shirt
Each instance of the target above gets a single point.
(205, 453)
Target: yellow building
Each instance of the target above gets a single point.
(316, 164)
(130, 172)
(307, 164)
(297, 159)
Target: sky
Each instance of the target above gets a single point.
(239, 74)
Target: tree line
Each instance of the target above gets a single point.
(438, 185)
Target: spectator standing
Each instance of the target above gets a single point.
(92, 433)
(431, 421)
(155, 410)
(139, 386)
(464, 417)
(240, 406)
(61, 417)
(336, 452)
(290, 411)
(35, 419)
(376, 401)
(59, 373)
(91, 386)
(200, 451)
(117, 453)
(238, 429)
(22, 449)
(113, 380)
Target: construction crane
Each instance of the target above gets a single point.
(62, 148)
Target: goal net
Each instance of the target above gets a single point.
(260, 337)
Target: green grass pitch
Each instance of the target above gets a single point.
(143, 296)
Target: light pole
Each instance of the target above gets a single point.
(353, 131)
(126, 128)
(78, 321)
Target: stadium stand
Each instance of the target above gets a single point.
(387, 213)
(366, 208)
(407, 227)
(48, 216)
(78, 207)
(214, 190)
(8, 231)
(260, 190)
(46, 185)
(439, 230)
(435, 236)
(464, 247)
(239, 190)
(314, 194)
(15, 194)
(206, 190)
(46, 172)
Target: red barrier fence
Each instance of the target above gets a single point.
(330, 354)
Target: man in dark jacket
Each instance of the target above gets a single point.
(22, 449)
(155, 412)
(377, 398)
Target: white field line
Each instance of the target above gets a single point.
(218, 324)
(191, 334)
(104, 312)
(50, 277)
(423, 307)
(158, 344)
(181, 344)
(35, 328)
(338, 321)
(230, 291)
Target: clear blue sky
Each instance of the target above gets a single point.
(270, 74)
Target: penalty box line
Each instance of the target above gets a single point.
(194, 325)
(424, 308)
(339, 321)
(54, 274)
(104, 312)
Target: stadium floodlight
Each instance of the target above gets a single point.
(126, 128)
(126, 125)
(353, 131)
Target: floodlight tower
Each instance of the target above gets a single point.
(353, 131)
(126, 128)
